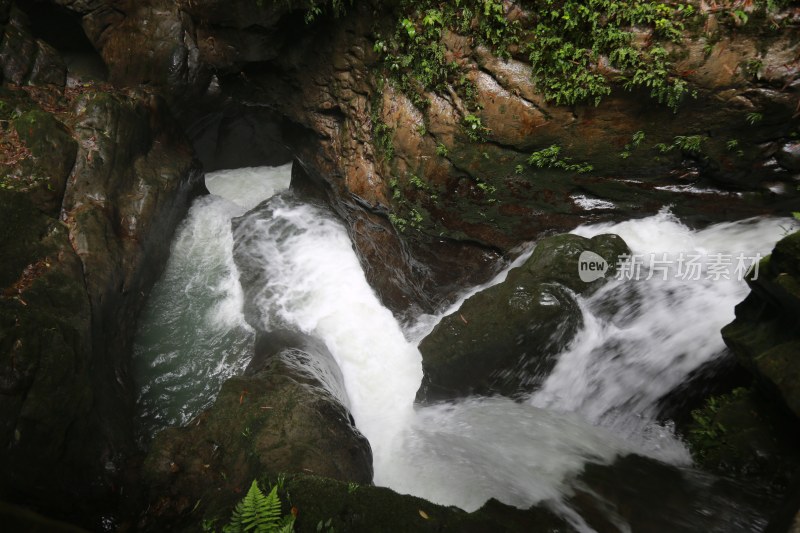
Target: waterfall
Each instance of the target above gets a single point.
(192, 335)
(639, 340)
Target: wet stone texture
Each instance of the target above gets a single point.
(93, 181)
(504, 339)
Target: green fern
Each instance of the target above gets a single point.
(259, 513)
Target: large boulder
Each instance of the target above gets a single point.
(276, 419)
(637, 493)
(765, 336)
(25, 59)
(504, 339)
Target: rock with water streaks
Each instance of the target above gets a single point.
(92, 183)
(279, 418)
(431, 203)
(636, 493)
(503, 339)
(765, 336)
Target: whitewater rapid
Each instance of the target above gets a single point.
(192, 335)
(639, 340)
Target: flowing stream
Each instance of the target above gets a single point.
(639, 340)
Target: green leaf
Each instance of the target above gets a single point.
(259, 513)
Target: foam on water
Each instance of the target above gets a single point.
(192, 335)
(642, 338)
(639, 340)
(316, 284)
(249, 186)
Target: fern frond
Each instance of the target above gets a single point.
(286, 525)
(259, 513)
(269, 511)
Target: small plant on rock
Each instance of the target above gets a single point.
(259, 513)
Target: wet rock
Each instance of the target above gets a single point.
(764, 335)
(789, 156)
(480, 199)
(93, 184)
(276, 419)
(25, 59)
(636, 493)
(504, 339)
(356, 508)
(713, 378)
(741, 435)
(366, 509)
(53, 152)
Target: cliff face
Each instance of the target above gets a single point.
(764, 335)
(92, 183)
(435, 184)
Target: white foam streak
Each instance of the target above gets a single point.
(642, 338)
(639, 340)
(193, 335)
(249, 186)
(466, 452)
(317, 285)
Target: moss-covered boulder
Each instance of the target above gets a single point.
(741, 434)
(348, 507)
(504, 339)
(324, 504)
(765, 336)
(278, 418)
(636, 493)
(45, 157)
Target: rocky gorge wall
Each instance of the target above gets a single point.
(96, 175)
(93, 180)
(422, 192)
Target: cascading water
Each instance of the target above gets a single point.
(192, 335)
(640, 339)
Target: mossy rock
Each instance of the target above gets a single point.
(323, 504)
(780, 367)
(557, 258)
(504, 339)
(53, 152)
(741, 434)
(275, 419)
(765, 336)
